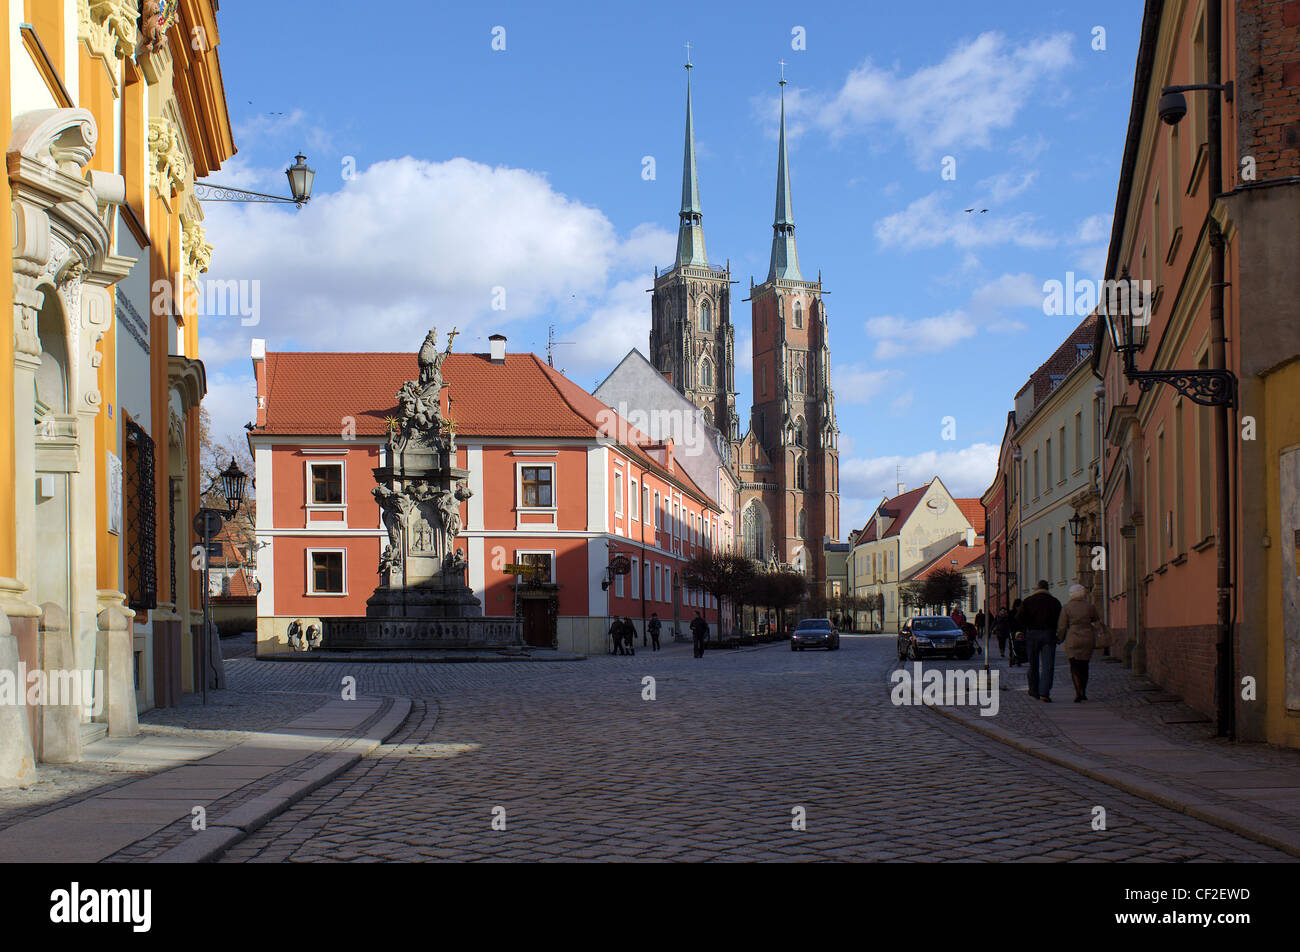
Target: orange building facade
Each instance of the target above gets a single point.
(558, 479)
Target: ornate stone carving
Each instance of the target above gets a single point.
(108, 26)
(198, 253)
(168, 167)
(155, 17)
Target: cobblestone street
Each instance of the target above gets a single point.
(713, 768)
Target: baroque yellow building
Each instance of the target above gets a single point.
(113, 109)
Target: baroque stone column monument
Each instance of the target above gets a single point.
(422, 600)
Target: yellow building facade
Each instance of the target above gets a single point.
(113, 109)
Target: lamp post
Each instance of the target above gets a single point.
(301, 178)
(233, 483)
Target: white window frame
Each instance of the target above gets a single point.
(646, 516)
(634, 502)
(311, 484)
(659, 512)
(519, 487)
(550, 552)
(618, 493)
(635, 576)
(311, 571)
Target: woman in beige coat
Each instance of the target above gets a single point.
(1078, 629)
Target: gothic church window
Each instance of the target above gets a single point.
(706, 373)
(752, 532)
(799, 432)
(799, 381)
(798, 314)
(802, 524)
(706, 318)
(800, 474)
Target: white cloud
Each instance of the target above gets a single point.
(1008, 291)
(897, 337)
(928, 223)
(1094, 228)
(966, 472)
(977, 90)
(854, 383)
(1005, 186)
(408, 244)
(902, 403)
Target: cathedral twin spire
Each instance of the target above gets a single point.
(690, 231)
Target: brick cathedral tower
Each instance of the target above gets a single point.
(692, 340)
(789, 460)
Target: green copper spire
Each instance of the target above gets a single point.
(785, 256)
(690, 232)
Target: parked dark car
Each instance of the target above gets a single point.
(815, 633)
(928, 636)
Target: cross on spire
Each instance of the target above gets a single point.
(783, 65)
(688, 55)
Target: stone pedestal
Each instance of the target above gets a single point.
(17, 758)
(59, 739)
(116, 654)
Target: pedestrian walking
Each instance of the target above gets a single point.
(655, 626)
(629, 635)
(1001, 628)
(616, 636)
(699, 634)
(1016, 632)
(980, 619)
(1039, 615)
(1077, 630)
(959, 616)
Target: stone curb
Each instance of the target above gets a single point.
(1261, 831)
(208, 845)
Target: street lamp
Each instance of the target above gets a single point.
(301, 178)
(233, 483)
(1128, 322)
(1076, 522)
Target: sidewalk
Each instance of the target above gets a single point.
(240, 779)
(1148, 743)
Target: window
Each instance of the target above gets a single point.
(1065, 563)
(1078, 441)
(635, 578)
(798, 314)
(659, 583)
(618, 494)
(1047, 456)
(326, 484)
(618, 586)
(634, 499)
(706, 373)
(752, 532)
(802, 523)
(536, 487)
(1162, 501)
(659, 512)
(1180, 539)
(799, 432)
(1060, 447)
(800, 474)
(799, 381)
(1049, 556)
(325, 572)
(544, 559)
(1037, 482)
(1205, 464)
(706, 317)
(762, 380)
(645, 578)
(645, 504)
(677, 525)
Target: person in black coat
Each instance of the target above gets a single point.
(655, 627)
(1038, 616)
(699, 634)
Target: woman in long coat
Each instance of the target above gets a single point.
(1077, 630)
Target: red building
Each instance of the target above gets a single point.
(559, 480)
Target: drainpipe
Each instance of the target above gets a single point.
(1100, 474)
(1224, 686)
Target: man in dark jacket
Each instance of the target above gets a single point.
(655, 627)
(700, 632)
(1038, 617)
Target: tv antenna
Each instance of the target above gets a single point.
(551, 344)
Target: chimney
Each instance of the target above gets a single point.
(497, 348)
(258, 353)
(668, 375)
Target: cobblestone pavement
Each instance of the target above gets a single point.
(732, 751)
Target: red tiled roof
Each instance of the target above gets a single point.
(1064, 359)
(964, 555)
(973, 510)
(520, 396)
(896, 512)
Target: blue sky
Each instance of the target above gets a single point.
(447, 169)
